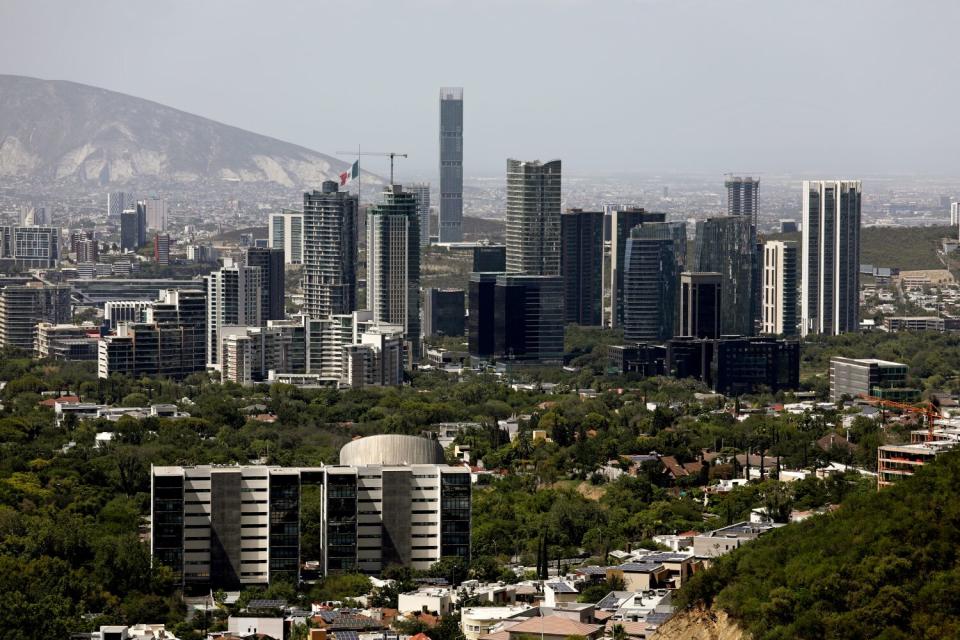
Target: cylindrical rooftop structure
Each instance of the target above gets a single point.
(391, 450)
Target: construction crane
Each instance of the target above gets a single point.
(390, 154)
(928, 410)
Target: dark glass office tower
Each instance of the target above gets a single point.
(622, 220)
(341, 522)
(533, 217)
(273, 288)
(451, 164)
(650, 284)
(443, 312)
(129, 230)
(166, 521)
(481, 319)
(743, 196)
(700, 304)
(490, 258)
(285, 526)
(329, 251)
(529, 319)
(581, 265)
(725, 246)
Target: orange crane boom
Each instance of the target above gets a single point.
(927, 409)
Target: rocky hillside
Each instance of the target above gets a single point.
(700, 624)
(69, 132)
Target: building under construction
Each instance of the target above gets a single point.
(898, 461)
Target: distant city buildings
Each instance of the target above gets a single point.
(955, 214)
(830, 293)
(743, 196)
(30, 247)
(581, 265)
(533, 217)
(450, 218)
(117, 203)
(156, 214)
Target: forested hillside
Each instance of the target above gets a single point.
(884, 565)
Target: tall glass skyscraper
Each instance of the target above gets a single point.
(650, 284)
(451, 164)
(581, 263)
(830, 294)
(329, 251)
(393, 263)
(533, 217)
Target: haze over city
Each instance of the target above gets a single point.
(813, 88)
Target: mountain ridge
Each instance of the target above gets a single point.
(65, 131)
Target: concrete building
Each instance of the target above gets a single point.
(285, 231)
(443, 312)
(724, 246)
(65, 342)
(581, 265)
(117, 311)
(161, 249)
(700, 305)
(898, 461)
(533, 217)
(713, 544)
(251, 353)
(650, 284)
(156, 214)
(955, 214)
(451, 165)
(854, 377)
(233, 299)
(30, 247)
(330, 251)
(236, 526)
(393, 264)
(272, 274)
(23, 307)
(622, 220)
(421, 192)
(830, 291)
(780, 287)
(914, 323)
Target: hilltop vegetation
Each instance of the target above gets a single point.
(884, 565)
(916, 247)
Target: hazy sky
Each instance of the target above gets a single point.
(799, 86)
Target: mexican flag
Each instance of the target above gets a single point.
(351, 173)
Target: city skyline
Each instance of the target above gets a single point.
(766, 124)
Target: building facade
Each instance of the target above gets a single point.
(330, 251)
(273, 291)
(161, 249)
(622, 220)
(490, 258)
(481, 319)
(533, 217)
(830, 291)
(780, 287)
(528, 319)
(450, 218)
(743, 195)
(236, 526)
(393, 263)
(650, 282)
(156, 214)
(443, 312)
(700, 305)
(855, 377)
(233, 299)
(285, 231)
(581, 265)
(22, 307)
(724, 245)
(421, 191)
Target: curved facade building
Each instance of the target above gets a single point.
(391, 450)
